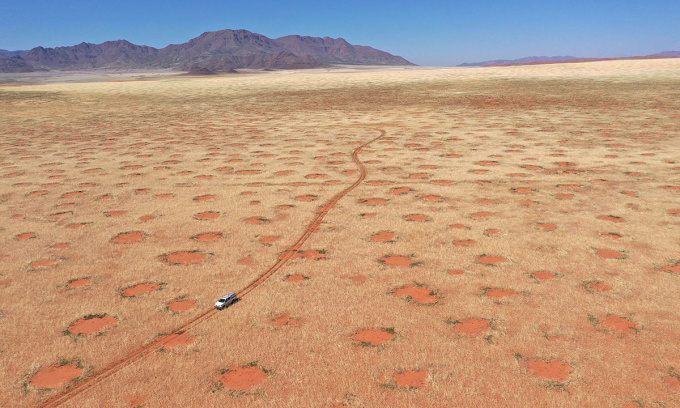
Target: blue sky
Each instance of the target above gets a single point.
(424, 32)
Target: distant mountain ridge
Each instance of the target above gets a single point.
(550, 60)
(217, 51)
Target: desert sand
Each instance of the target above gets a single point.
(497, 237)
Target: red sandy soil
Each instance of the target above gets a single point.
(611, 218)
(284, 319)
(44, 263)
(26, 235)
(208, 237)
(178, 340)
(482, 214)
(373, 201)
(465, 242)
(456, 272)
(411, 379)
(243, 378)
(92, 326)
(128, 237)
(598, 286)
(79, 283)
(473, 327)
(54, 376)
(148, 217)
(551, 370)
(383, 236)
(490, 259)
(140, 289)
(256, 220)
(183, 258)
(397, 261)
(246, 261)
(358, 279)
(619, 324)
(543, 275)
(269, 239)
(419, 294)
(373, 337)
(307, 197)
(672, 268)
(208, 215)
(181, 305)
(204, 197)
(136, 400)
(610, 254)
(296, 278)
(401, 190)
(499, 293)
(547, 227)
(416, 217)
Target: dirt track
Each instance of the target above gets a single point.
(131, 358)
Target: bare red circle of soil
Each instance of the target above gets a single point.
(307, 197)
(419, 294)
(465, 242)
(208, 237)
(610, 254)
(128, 237)
(140, 289)
(208, 215)
(284, 319)
(490, 259)
(547, 227)
(551, 370)
(499, 293)
(183, 257)
(136, 401)
(26, 235)
(416, 217)
(492, 232)
(115, 213)
(472, 327)
(174, 340)
(401, 190)
(243, 378)
(673, 382)
(164, 195)
(181, 305)
(598, 286)
(383, 236)
(256, 220)
(147, 217)
(373, 201)
(675, 268)
(79, 283)
(456, 272)
(481, 214)
(373, 337)
(248, 260)
(397, 261)
(87, 326)
(54, 376)
(205, 197)
(433, 198)
(269, 239)
(296, 278)
(44, 263)
(544, 275)
(619, 324)
(412, 379)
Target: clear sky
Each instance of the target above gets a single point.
(424, 32)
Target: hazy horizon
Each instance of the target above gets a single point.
(434, 34)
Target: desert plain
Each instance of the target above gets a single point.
(400, 237)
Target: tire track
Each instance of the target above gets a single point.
(131, 358)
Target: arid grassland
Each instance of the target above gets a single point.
(515, 241)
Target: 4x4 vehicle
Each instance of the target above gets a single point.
(226, 300)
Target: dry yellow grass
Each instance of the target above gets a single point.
(565, 176)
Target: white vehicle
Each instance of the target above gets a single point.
(226, 301)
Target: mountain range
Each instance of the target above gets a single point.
(548, 60)
(215, 51)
